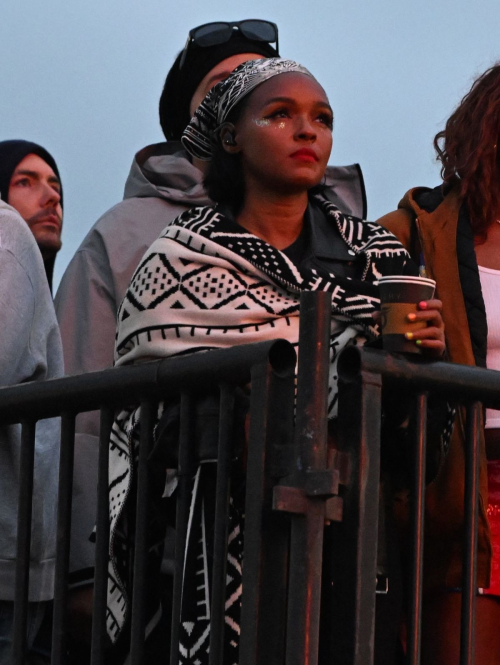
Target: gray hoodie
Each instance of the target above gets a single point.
(30, 350)
(162, 183)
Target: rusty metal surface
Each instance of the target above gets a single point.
(267, 532)
(471, 519)
(24, 513)
(99, 635)
(351, 566)
(417, 527)
(312, 478)
(60, 617)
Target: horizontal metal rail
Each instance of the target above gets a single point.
(128, 385)
(454, 381)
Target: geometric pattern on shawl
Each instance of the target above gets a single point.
(206, 283)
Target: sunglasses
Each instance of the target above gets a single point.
(211, 34)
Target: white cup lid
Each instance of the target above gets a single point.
(408, 279)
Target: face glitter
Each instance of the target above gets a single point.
(262, 122)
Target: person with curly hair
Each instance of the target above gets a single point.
(454, 233)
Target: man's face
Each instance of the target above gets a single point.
(35, 192)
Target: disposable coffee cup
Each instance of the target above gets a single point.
(399, 296)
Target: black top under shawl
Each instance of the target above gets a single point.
(319, 245)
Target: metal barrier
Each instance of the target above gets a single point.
(293, 486)
(270, 369)
(361, 373)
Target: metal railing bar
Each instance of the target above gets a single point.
(367, 485)
(60, 619)
(222, 491)
(451, 379)
(267, 533)
(139, 588)
(471, 520)
(306, 546)
(417, 526)
(122, 386)
(25, 503)
(184, 488)
(102, 542)
(359, 424)
(312, 379)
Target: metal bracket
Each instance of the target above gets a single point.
(317, 484)
(334, 509)
(289, 500)
(295, 500)
(322, 483)
(341, 461)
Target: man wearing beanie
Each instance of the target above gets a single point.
(163, 182)
(30, 183)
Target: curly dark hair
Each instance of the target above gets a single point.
(468, 151)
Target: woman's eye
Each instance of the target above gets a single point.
(279, 113)
(326, 120)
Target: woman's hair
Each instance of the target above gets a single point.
(468, 150)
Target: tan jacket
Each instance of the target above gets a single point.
(437, 232)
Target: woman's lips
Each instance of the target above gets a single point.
(305, 155)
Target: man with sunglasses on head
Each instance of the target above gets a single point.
(163, 182)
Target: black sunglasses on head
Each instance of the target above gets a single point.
(211, 34)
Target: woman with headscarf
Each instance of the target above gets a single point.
(164, 180)
(233, 274)
(453, 230)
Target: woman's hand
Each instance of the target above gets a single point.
(430, 339)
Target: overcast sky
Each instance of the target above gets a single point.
(83, 78)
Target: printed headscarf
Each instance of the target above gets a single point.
(200, 136)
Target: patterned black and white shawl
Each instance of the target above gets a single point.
(206, 283)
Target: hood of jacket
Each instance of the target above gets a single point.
(422, 199)
(164, 171)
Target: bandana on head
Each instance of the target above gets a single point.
(200, 136)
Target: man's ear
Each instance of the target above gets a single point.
(227, 134)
